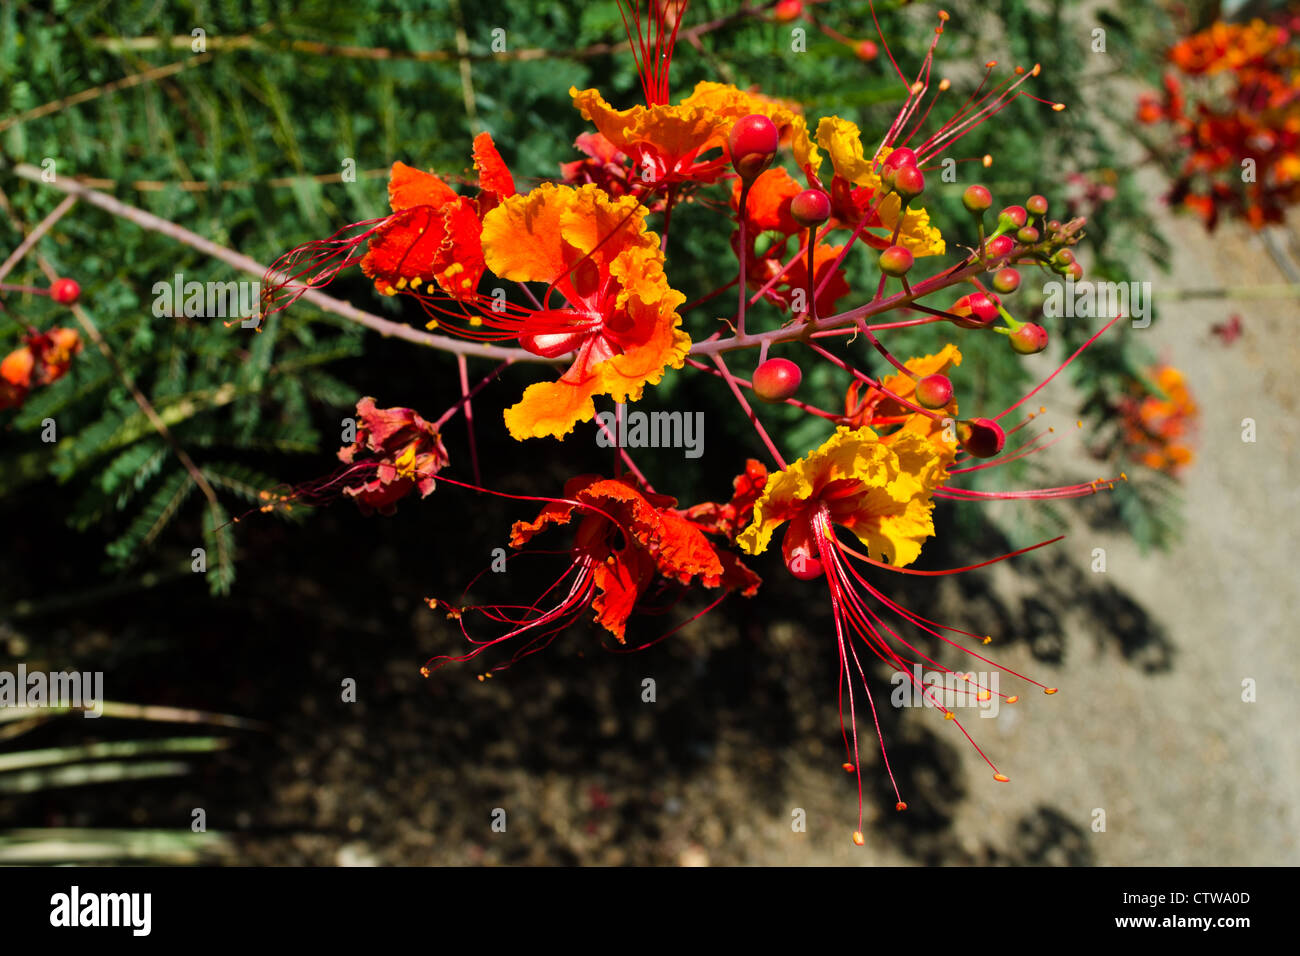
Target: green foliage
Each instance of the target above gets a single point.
(261, 126)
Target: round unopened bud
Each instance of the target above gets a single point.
(1013, 217)
(982, 437)
(1037, 205)
(1076, 270)
(787, 10)
(999, 247)
(896, 261)
(866, 50)
(1063, 259)
(752, 143)
(1006, 280)
(909, 182)
(975, 311)
(977, 199)
(65, 291)
(1029, 339)
(898, 158)
(934, 391)
(776, 380)
(1028, 235)
(810, 208)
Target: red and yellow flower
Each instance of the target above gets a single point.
(1158, 427)
(667, 144)
(626, 541)
(856, 190)
(619, 314)
(398, 450)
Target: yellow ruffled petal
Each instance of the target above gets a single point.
(842, 141)
(732, 103)
(805, 150)
(891, 505)
(673, 130)
(541, 236)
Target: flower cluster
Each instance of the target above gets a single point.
(1159, 424)
(1232, 109)
(595, 309)
(43, 357)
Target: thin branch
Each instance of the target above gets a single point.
(92, 331)
(135, 79)
(326, 303)
(35, 235)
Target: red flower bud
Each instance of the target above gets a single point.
(776, 380)
(899, 158)
(787, 10)
(982, 437)
(1028, 235)
(976, 311)
(752, 143)
(976, 199)
(65, 291)
(999, 247)
(866, 50)
(934, 391)
(1029, 339)
(1037, 205)
(895, 261)
(1006, 280)
(909, 182)
(810, 208)
(1013, 217)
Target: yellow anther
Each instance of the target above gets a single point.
(1013, 698)
(1050, 690)
(1001, 778)
(858, 837)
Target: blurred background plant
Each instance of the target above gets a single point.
(244, 123)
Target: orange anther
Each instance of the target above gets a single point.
(1001, 778)
(858, 838)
